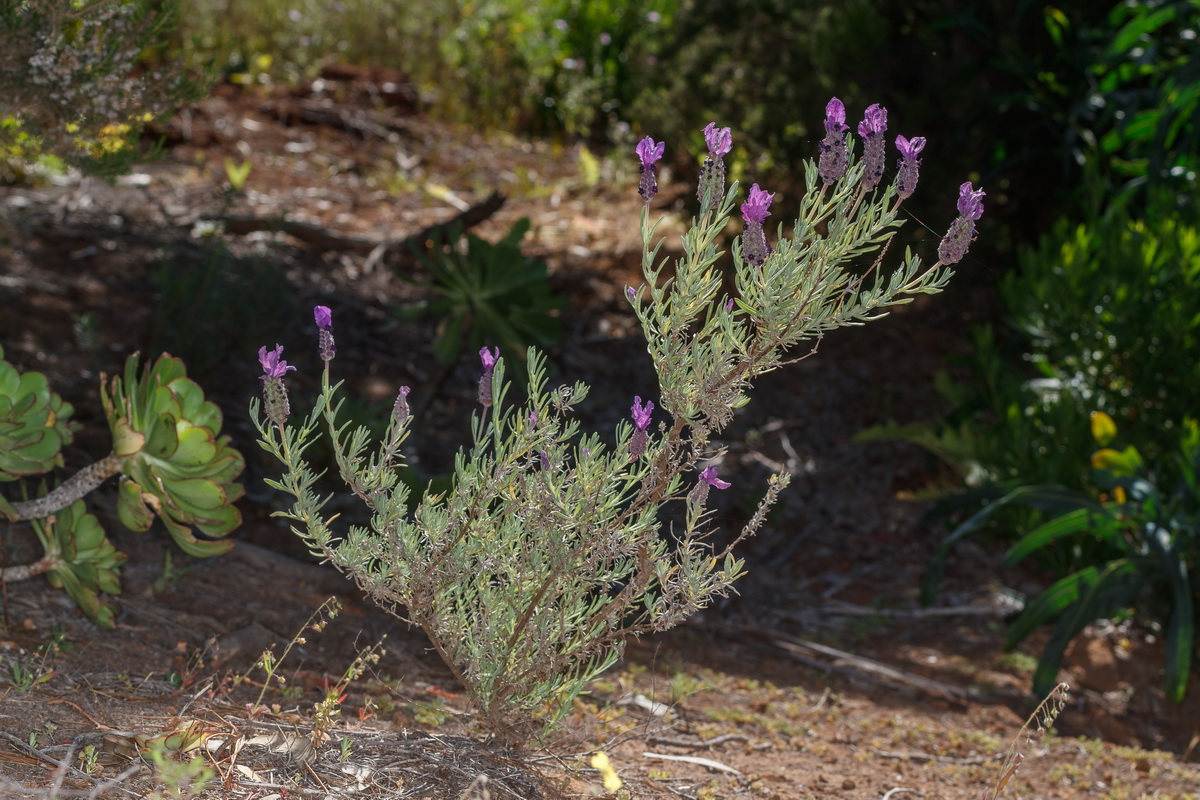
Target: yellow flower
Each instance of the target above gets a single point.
(1104, 430)
(612, 781)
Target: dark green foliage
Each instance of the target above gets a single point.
(1105, 316)
(487, 294)
(768, 67)
(1144, 557)
(1110, 310)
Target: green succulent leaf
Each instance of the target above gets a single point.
(163, 440)
(188, 543)
(195, 447)
(194, 408)
(196, 495)
(126, 441)
(131, 508)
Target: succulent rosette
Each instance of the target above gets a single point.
(80, 559)
(174, 463)
(33, 424)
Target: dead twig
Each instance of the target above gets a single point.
(708, 763)
(89, 717)
(922, 757)
(703, 744)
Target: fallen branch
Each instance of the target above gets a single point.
(316, 113)
(321, 238)
(700, 745)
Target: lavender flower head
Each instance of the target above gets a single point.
(712, 174)
(708, 479)
(871, 129)
(641, 421)
(754, 212)
(958, 239)
(272, 363)
(909, 165)
(325, 345)
(485, 377)
(400, 409)
(718, 140)
(835, 153)
(275, 399)
(649, 153)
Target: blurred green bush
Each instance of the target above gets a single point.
(80, 80)
(553, 67)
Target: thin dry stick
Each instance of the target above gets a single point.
(1044, 716)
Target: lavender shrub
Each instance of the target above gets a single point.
(548, 554)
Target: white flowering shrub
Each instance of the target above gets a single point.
(80, 80)
(552, 547)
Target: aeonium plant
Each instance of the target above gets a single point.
(551, 549)
(167, 448)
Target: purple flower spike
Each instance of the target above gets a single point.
(649, 153)
(909, 165)
(708, 479)
(754, 212)
(871, 129)
(488, 359)
(641, 421)
(275, 399)
(835, 153)
(325, 346)
(958, 239)
(400, 409)
(718, 140)
(712, 174)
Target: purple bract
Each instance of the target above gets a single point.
(272, 363)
